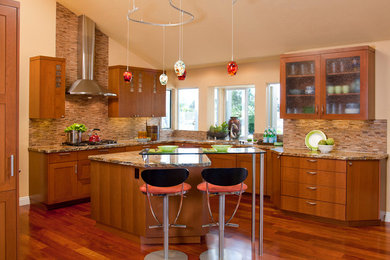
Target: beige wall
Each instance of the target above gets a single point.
(37, 37)
(257, 73)
(117, 56)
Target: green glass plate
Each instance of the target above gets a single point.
(312, 139)
(167, 148)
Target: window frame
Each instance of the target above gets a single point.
(271, 121)
(170, 110)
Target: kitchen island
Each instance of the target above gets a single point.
(118, 205)
(110, 172)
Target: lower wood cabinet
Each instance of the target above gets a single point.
(352, 191)
(62, 182)
(62, 177)
(8, 225)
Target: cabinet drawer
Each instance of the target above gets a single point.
(314, 177)
(313, 192)
(117, 150)
(314, 163)
(314, 207)
(62, 157)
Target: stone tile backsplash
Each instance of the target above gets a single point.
(93, 112)
(349, 135)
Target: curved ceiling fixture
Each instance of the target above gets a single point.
(181, 22)
(232, 66)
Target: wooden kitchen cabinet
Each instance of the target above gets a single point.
(47, 87)
(8, 224)
(350, 191)
(62, 182)
(9, 128)
(62, 177)
(144, 96)
(329, 84)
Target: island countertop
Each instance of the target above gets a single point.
(136, 160)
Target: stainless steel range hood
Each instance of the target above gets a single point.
(86, 85)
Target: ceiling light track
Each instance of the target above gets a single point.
(190, 17)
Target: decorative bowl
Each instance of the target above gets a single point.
(167, 148)
(221, 147)
(325, 148)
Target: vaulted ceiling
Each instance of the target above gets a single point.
(263, 28)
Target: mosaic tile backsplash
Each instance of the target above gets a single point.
(349, 135)
(93, 112)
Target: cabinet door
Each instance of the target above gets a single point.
(345, 87)
(62, 182)
(300, 87)
(159, 98)
(8, 221)
(145, 90)
(8, 98)
(83, 178)
(245, 161)
(276, 180)
(223, 160)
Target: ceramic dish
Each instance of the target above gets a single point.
(325, 148)
(167, 148)
(143, 139)
(312, 139)
(221, 147)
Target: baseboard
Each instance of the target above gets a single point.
(26, 201)
(387, 216)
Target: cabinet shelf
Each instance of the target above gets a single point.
(301, 76)
(343, 73)
(301, 95)
(343, 94)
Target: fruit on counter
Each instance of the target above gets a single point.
(322, 142)
(76, 127)
(330, 141)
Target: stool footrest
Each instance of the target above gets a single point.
(216, 225)
(170, 225)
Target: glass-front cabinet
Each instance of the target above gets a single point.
(331, 84)
(300, 87)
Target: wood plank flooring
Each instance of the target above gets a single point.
(70, 233)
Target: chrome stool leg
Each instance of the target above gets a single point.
(221, 253)
(166, 253)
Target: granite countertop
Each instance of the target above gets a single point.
(338, 155)
(125, 143)
(136, 160)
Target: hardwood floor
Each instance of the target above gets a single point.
(70, 233)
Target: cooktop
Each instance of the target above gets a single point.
(85, 143)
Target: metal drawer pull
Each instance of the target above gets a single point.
(104, 150)
(312, 173)
(63, 154)
(312, 188)
(311, 160)
(75, 169)
(311, 203)
(350, 163)
(12, 165)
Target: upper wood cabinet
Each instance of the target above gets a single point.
(144, 96)
(329, 84)
(47, 87)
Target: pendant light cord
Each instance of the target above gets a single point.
(232, 30)
(163, 49)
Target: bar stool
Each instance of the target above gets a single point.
(165, 183)
(222, 182)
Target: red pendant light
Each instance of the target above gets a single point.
(183, 77)
(127, 76)
(232, 68)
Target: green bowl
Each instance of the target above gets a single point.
(221, 147)
(167, 148)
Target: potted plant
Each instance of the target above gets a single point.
(74, 132)
(219, 132)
